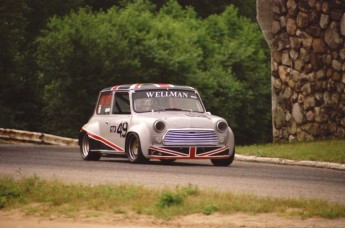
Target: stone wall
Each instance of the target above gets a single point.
(307, 41)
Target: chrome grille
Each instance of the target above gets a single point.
(190, 137)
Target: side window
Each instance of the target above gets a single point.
(104, 103)
(121, 103)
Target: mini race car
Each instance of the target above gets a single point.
(155, 121)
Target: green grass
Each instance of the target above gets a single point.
(328, 151)
(53, 198)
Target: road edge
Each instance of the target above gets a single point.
(37, 137)
(281, 161)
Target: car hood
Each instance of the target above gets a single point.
(175, 120)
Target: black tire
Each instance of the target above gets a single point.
(223, 162)
(133, 150)
(85, 150)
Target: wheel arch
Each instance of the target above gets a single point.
(230, 141)
(81, 135)
(92, 127)
(144, 135)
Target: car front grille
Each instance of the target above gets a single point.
(190, 137)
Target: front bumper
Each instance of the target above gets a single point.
(189, 152)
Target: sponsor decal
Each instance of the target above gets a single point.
(178, 94)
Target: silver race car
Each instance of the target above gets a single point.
(155, 121)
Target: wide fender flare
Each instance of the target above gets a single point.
(144, 134)
(230, 141)
(92, 128)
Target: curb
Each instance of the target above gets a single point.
(281, 161)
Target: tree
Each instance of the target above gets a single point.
(84, 52)
(238, 71)
(21, 22)
(14, 84)
(221, 55)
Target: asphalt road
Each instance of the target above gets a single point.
(65, 163)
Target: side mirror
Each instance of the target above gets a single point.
(208, 113)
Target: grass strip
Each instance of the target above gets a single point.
(327, 151)
(54, 198)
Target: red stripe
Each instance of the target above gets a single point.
(189, 158)
(115, 87)
(164, 85)
(135, 86)
(106, 142)
(192, 152)
(214, 151)
(167, 151)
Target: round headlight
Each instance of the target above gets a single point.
(222, 126)
(159, 126)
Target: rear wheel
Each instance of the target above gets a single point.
(133, 150)
(223, 162)
(85, 152)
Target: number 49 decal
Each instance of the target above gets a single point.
(121, 129)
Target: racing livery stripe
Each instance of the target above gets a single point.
(187, 157)
(140, 85)
(192, 152)
(168, 151)
(163, 85)
(135, 86)
(213, 151)
(103, 140)
(115, 87)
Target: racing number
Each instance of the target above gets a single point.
(121, 129)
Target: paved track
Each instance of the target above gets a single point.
(262, 179)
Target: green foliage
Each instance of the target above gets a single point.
(189, 190)
(209, 209)
(51, 73)
(21, 21)
(12, 45)
(168, 199)
(15, 191)
(235, 82)
(8, 190)
(205, 8)
(326, 151)
(33, 195)
(221, 56)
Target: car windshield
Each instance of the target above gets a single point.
(166, 100)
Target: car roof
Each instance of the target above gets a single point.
(145, 86)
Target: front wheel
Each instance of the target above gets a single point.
(133, 150)
(85, 152)
(224, 162)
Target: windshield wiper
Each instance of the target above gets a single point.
(173, 109)
(178, 109)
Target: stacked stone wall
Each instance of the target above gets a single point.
(308, 68)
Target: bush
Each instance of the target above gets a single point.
(168, 199)
(222, 56)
